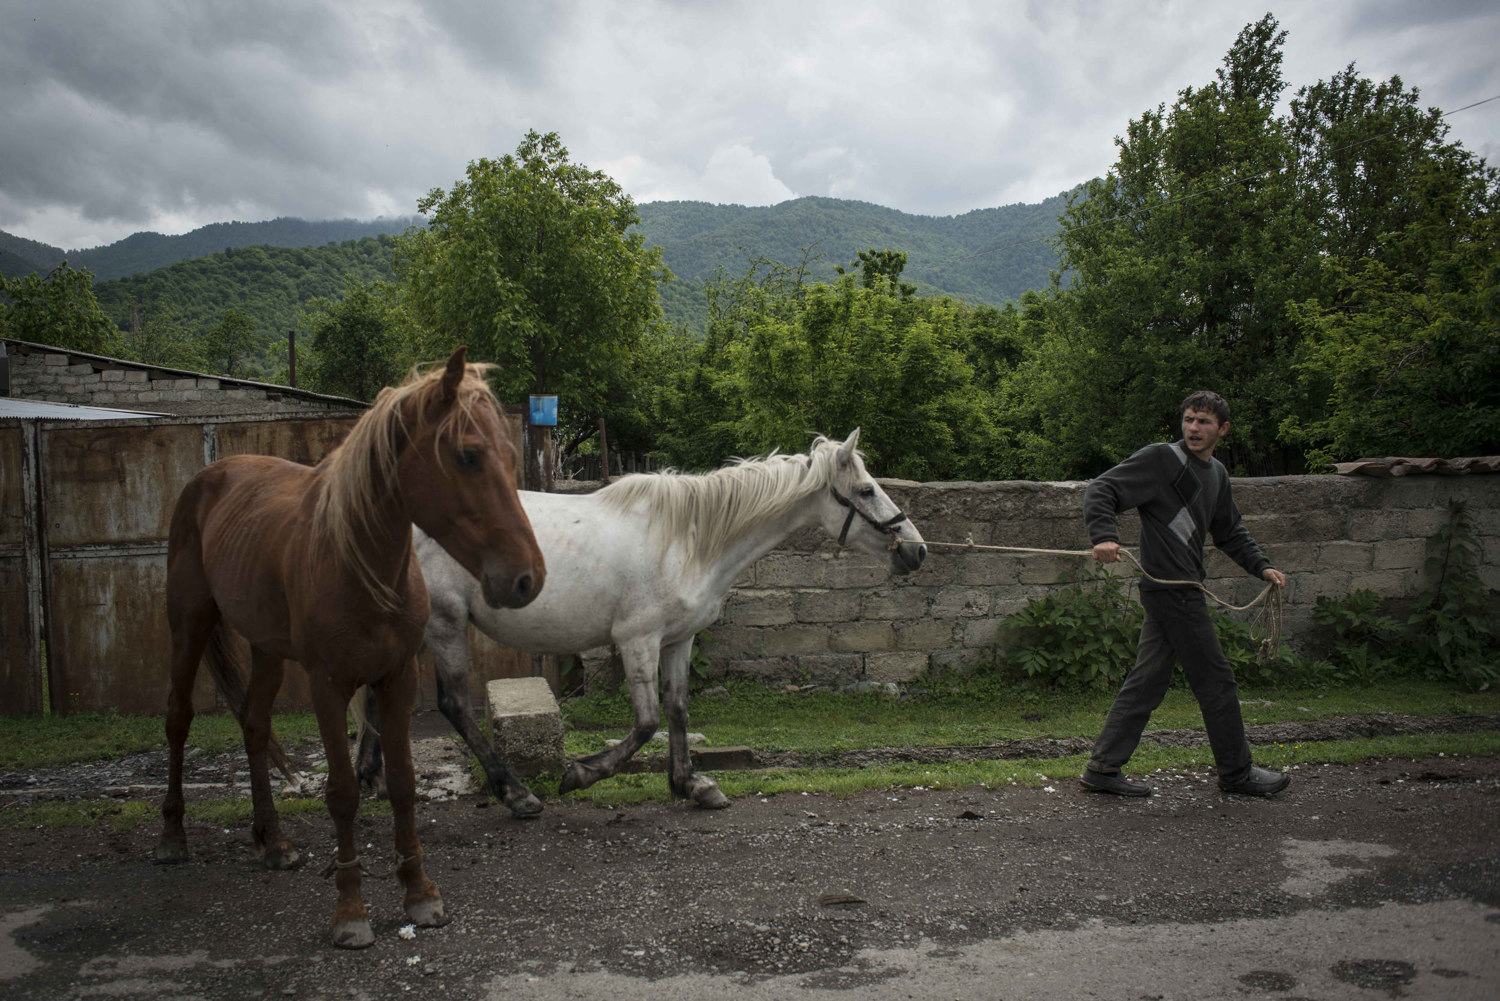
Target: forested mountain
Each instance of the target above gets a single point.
(271, 269)
(985, 256)
(143, 252)
(269, 284)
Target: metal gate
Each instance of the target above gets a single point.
(84, 514)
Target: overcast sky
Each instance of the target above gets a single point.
(126, 115)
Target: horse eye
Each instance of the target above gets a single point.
(868, 490)
(467, 458)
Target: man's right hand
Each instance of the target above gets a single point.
(1107, 552)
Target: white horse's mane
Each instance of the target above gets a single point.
(705, 512)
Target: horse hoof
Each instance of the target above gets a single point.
(574, 777)
(355, 934)
(711, 799)
(171, 852)
(282, 857)
(427, 913)
(526, 807)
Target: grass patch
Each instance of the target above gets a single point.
(48, 741)
(127, 815)
(1034, 772)
(981, 713)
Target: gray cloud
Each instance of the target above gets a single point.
(125, 116)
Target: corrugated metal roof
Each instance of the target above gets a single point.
(42, 410)
(1396, 465)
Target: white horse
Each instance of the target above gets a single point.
(644, 564)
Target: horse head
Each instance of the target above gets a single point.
(458, 480)
(857, 512)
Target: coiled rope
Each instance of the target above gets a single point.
(1269, 616)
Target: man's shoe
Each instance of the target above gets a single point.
(1116, 783)
(1258, 782)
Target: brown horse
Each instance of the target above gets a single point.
(315, 565)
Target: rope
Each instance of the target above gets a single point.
(1270, 596)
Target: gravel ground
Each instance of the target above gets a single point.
(1380, 879)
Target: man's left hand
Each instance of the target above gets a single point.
(1274, 576)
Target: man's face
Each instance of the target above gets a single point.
(1201, 430)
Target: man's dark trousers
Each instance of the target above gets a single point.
(1177, 628)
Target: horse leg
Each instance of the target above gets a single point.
(351, 922)
(265, 681)
(448, 639)
(684, 782)
(367, 763)
(192, 617)
(640, 656)
(395, 692)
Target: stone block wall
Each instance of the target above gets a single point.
(810, 612)
(57, 376)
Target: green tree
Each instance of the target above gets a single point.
(532, 261)
(162, 339)
(360, 341)
(59, 310)
(230, 340)
(1184, 256)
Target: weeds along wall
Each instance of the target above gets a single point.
(812, 613)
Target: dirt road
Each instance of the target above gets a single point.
(1369, 881)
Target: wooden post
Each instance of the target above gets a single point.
(531, 479)
(603, 453)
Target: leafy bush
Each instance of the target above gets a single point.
(1448, 637)
(1079, 637)
(1361, 650)
(1452, 636)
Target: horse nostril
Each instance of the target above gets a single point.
(523, 585)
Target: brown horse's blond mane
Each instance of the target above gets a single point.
(360, 473)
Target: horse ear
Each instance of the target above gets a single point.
(846, 450)
(454, 374)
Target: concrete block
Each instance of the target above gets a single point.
(758, 608)
(953, 603)
(526, 724)
(848, 569)
(957, 660)
(205, 383)
(896, 667)
(81, 368)
(184, 383)
(826, 606)
(981, 632)
(861, 637)
(1353, 556)
(734, 642)
(783, 570)
(721, 759)
(112, 375)
(55, 361)
(984, 569)
(829, 668)
(136, 375)
(926, 634)
(792, 640)
(1400, 554)
(894, 603)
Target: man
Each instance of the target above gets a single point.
(1182, 493)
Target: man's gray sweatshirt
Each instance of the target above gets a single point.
(1183, 501)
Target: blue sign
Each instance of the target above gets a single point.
(544, 411)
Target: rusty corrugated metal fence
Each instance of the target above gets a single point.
(84, 512)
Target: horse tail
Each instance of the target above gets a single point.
(361, 717)
(219, 657)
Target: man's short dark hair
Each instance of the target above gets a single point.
(1205, 400)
